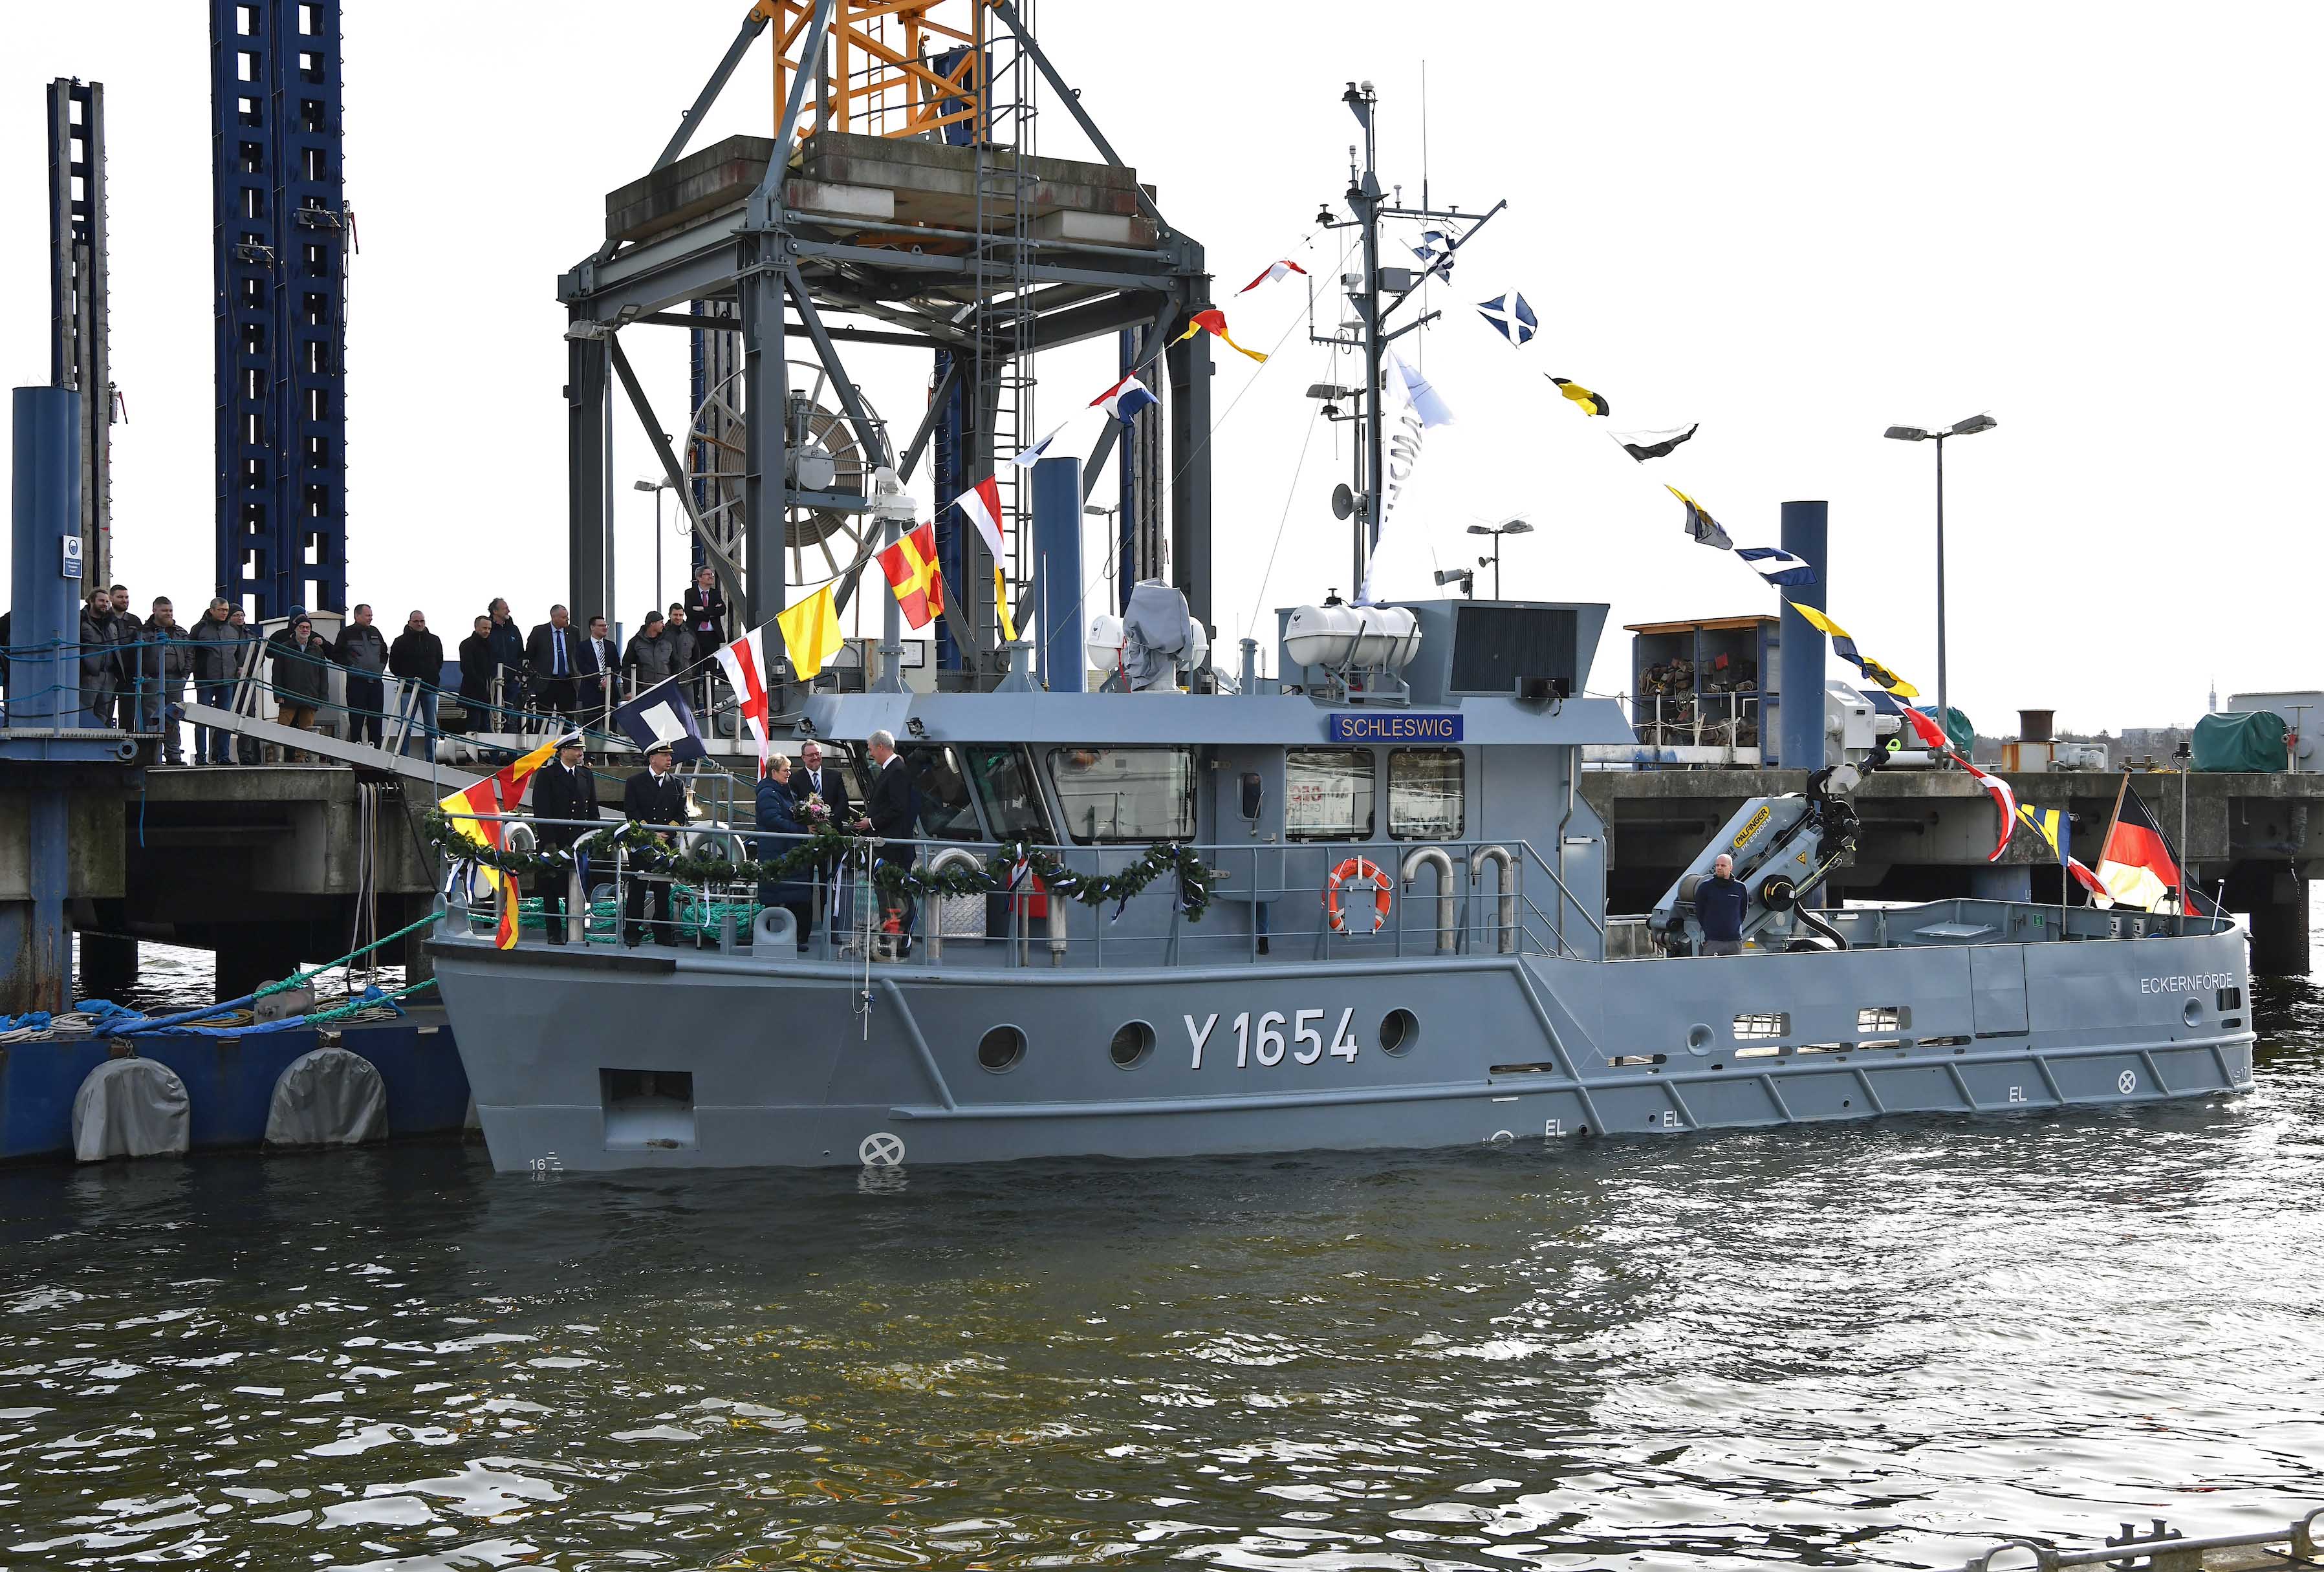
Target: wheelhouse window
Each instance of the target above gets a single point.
(1011, 796)
(1125, 794)
(1327, 793)
(945, 812)
(1425, 795)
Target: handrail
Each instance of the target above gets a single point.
(1437, 857)
(932, 903)
(1514, 917)
(1507, 886)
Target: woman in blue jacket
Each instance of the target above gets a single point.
(781, 834)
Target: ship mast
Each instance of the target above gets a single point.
(1377, 293)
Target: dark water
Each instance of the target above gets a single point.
(1817, 1346)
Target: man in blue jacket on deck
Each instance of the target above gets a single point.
(1720, 902)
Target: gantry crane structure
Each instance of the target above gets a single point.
(280, 250)
(81, 310)
(900, 201)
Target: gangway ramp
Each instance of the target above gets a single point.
(447, 779)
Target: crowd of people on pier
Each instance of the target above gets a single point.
(139, 664)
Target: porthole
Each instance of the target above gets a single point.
(1001, 1049)
(1131, 1044)
(1398, 1031)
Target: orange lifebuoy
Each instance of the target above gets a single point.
(1360, 872)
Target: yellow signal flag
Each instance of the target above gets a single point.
(1588, 402)
(1000, 605)
(1845, 647)
(811, 634)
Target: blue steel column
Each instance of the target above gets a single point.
(1057, 556)
(951, 478)
(1801, 667)
(278, 202)
(1125, 469)
(310, 281)
(35, 947)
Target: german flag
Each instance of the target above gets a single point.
(2135, 864)
(912, 573)
(1588, 402)
(472, 815)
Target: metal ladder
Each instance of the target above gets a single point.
(1004, 282)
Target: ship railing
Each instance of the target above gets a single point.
(2163, 1549)
(1971, 920)
(1477, 901)
(1703, 720)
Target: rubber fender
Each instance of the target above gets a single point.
(129, 1107)
(327, 1098)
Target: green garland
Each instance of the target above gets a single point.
(1010, 867)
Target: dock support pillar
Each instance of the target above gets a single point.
(37, 971)
(2005, 882)
(47, 557)
(2279, 928)
(250, 954)
(1798, 722)
(108, 963)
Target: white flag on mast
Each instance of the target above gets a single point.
(1415, 406)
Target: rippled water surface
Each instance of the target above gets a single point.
(1845, 1344)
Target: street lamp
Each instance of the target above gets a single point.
(1506, 527)
(656, 488)
(1969, 428)
(1112, 541)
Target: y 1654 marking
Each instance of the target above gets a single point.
(1266, 1042)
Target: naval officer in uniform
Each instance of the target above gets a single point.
(562, 790)
(654, 795)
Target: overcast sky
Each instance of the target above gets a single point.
(1797, 225)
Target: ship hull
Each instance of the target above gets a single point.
(651, 1058)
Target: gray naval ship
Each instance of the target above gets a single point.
(1406, 943)
(1406, 946)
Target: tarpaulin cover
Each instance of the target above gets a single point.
(2252, 740)
(1958, 728)
(328, 1097)
(129, 1108)
(1155, 635)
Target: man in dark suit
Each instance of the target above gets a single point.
(814, 777)
(891, 810)
(552, 662)
(654, 795)
(561, 790)
(599, 672)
